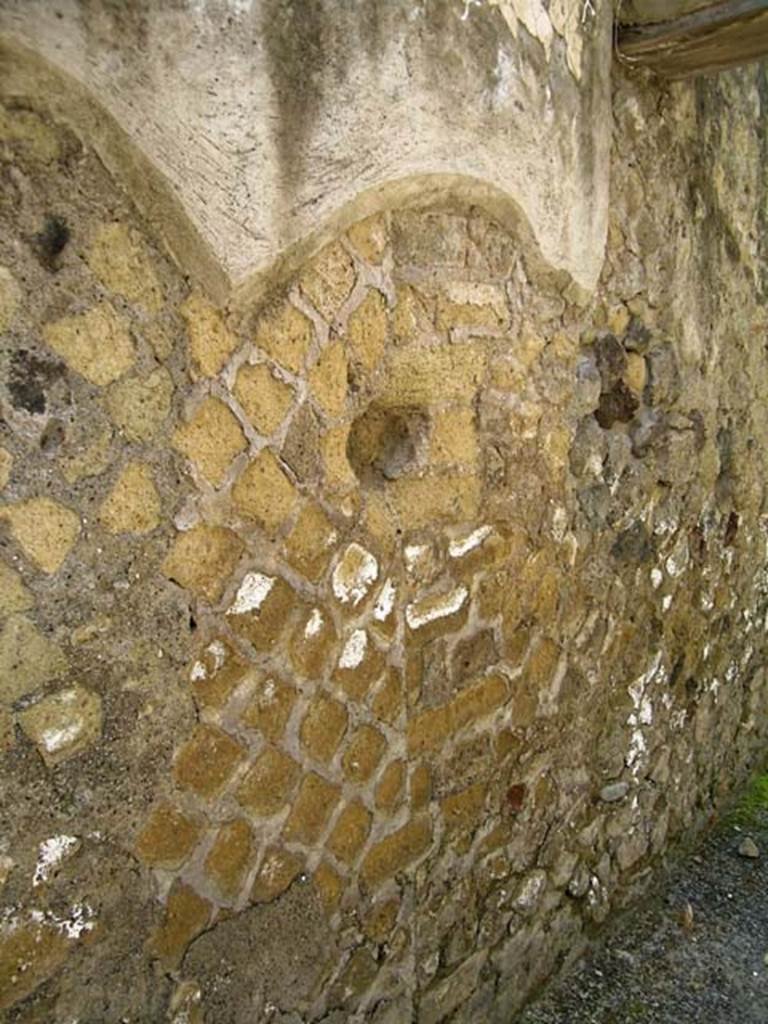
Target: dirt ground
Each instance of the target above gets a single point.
(664, 963)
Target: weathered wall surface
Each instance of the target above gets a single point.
(277, 124)
(363, 648)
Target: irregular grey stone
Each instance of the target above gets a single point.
(613, 792)
(748, 848)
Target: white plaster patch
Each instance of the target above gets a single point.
(354, 649)
(677, 562)
(50, 853)
(471, 293)
(422, 612)
(314, 624)
(252, 593)
(385, 602)
(559, 524)
(461, 547)
(219, 653)
(413, 555)
(666, 602)
(55, 739)
(530, 891)
(79, 920)
(657, 577)
(354, 575)
(637, 747)
(643, 713)
(199, 671)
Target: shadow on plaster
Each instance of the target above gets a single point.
(30, 77)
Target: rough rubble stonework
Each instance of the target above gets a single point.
(363, 650)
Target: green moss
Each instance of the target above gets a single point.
(753, 804)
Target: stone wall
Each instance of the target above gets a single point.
(364, 648)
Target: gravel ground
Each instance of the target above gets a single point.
(656, 967)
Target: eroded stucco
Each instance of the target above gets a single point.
(275, 123)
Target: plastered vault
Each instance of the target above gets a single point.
(373, 622)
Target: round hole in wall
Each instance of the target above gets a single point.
(386, 443)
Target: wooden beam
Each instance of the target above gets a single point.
(719, 36)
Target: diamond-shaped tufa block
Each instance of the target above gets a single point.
(207, 761)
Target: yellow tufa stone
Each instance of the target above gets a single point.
(264, 398)
(354, 575)
(636, 373)
(96, 344)
(211, 342)
(387, 702)
(323, 728)
(363, 754)
(270, 707)
(529, 346)
(33, 946)
(366, 332)
(309, 545)
(370, 237)
(63, 724)
(14, 596)
(277, 871)
(420, 501)
(618, 320)
(202, 560)
(464, 811)
(472, 305)
(7, 742)
(313, 640)
(396, 853)
(215, 673)
(207, 761)
(420, 787)
(167, 838)
(359, 666)
(10, 297)
(329, 280)
(263, 492)
(45, 530)
(328, 380)
(133, 504)
(6, 462)
(27, 658)
(414, 317)
(211, 440)
(427, 375)
(313, 806)
(270, 781)
(380, 920)
(429, 729)
(454, 437)
(228, 858)
(337, 472)
(186, 915)
(119, 258)
(350, 832)
(285, 335)
(391, 786)
(139, 406)
(261, 608)
(329, 887)
(37, 140)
